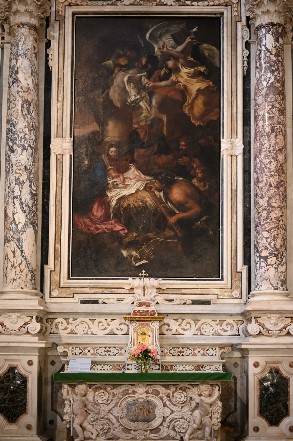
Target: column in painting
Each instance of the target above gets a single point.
(270, 190)
(22, 138)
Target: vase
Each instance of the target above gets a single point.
(144, 368)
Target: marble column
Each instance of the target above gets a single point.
(270, 193)
(22, 140)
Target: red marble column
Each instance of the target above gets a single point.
(22, 140)
(270, 161)
(270, 188)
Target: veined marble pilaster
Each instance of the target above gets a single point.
(270, 145)
(22, 138)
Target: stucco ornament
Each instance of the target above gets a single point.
(141, 411)
(232, 147)
(271, 325)
(86, 326)
(62, 146)
(62, 3)
(17, 323)
(269, 11)
(27, 12)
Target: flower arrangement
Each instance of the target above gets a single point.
(144, 355)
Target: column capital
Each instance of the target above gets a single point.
(24, 12)
(262, 12)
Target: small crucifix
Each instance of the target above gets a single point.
(143, 274)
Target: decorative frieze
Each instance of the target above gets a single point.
(271, 325)
(16, 323)
(170, 326)
(93, 351)
(62, 3)
(86, 326)
(206, 327)
(193, 351)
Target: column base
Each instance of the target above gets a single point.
(16, 294)
(13, 300)
(269, 295)
(269, 301)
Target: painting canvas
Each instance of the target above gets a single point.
(146, 160)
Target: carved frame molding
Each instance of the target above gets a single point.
(58, 285)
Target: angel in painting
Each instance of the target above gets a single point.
(202, 96)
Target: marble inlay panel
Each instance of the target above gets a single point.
(270, 161)
(13, 395)
(274, 397)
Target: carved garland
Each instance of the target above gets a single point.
(272, 325)
(17, 323)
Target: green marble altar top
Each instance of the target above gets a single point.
(152, 377)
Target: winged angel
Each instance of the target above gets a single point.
(202, 97)
(132, 86)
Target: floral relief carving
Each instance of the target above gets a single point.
(142, 411)
(17, 323)
(232, 147)
(84, 326)
(110, 326)
(62, 146)
(62, 3)
(269, 11)
(201, 327)
(24, 11)
(272, 325)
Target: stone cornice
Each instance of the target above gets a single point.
(24, 12)
(61, 4)
(262, 12)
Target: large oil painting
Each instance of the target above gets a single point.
(146, 161)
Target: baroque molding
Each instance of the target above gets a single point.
(231, 147)
(62, 146)
(271, 325)
(61, 4)
(17, 324)
(262, 12)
